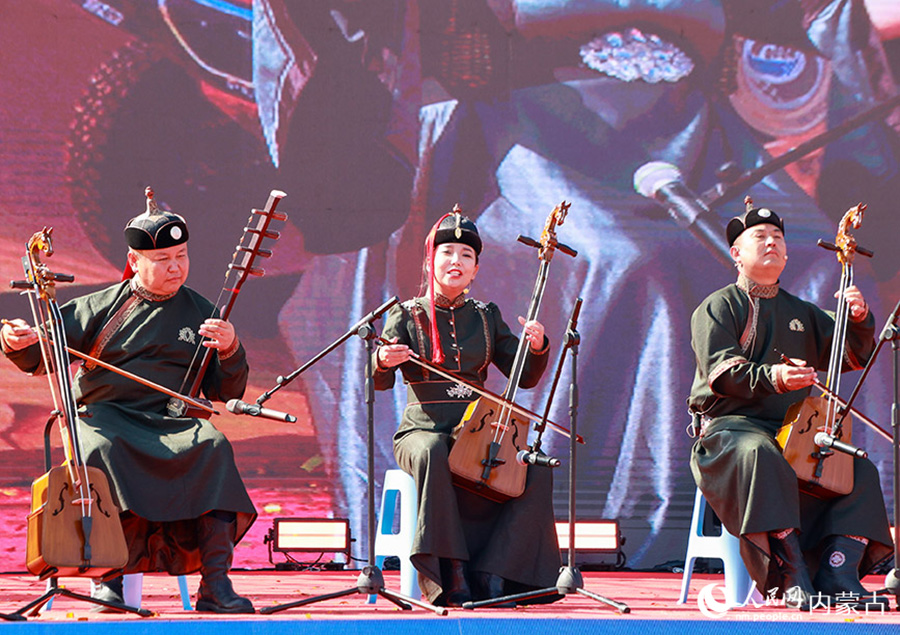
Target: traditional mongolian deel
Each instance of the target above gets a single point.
(737, 332)
(516, 539)
(163, 469)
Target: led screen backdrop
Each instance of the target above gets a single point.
(376, 117)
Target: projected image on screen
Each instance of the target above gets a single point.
(378, 117)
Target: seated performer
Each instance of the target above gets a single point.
(183, 504)
(466, 547)
(740, 395)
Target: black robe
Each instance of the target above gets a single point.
(737, 464)
(515, 539)
(165, 472)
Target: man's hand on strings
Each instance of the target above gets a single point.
(220, 334)
(392, 354)
(17, 334)
(534, 333)
(856, 303)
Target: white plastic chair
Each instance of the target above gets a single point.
(398, 485)
(739, 586)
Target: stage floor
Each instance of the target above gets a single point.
(651, 598)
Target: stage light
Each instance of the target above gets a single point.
(597, 536)
(311, 535)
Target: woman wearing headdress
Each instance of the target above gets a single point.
(466, 546)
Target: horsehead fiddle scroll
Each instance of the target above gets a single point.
(811, 423)
(488, 438)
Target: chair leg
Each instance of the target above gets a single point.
(185, 594)
(132, 589)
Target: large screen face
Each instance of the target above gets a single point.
(376, 118)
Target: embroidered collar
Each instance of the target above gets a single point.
(143, 294)
(755, 290)
(444, 302)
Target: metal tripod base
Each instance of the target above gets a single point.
(369, 582)
(34, 607)
(569, 581)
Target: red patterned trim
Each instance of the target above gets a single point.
(416, 312)
(113, 325)
(488, 347)
(750, 328)
(722, 368)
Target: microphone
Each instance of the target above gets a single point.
(827, 441)
(663, 182)
(239, 407)
(536, 458)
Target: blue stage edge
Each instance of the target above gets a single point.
(436, 626)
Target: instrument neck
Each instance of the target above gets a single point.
(838, 346)
(534, 305)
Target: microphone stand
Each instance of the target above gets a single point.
(371, 579)
(570, 580)
(281, 382)
(891, 333)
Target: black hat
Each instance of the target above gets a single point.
(155, 228)
(456, 228)
(753, 216)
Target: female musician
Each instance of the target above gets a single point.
(466, 546)
(741, 393)
(183, 502)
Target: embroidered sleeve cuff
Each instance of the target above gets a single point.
(778, 381)
(231, 350)
(722, 368)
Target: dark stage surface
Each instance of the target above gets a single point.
(650, 596)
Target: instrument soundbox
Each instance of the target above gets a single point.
(74, 527)
(56, 530)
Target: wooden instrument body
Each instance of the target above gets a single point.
(55, 544)
(474, 450)
(73, 528)
(820, 472)
(487, 440)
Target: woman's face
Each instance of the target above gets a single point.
(455, 266)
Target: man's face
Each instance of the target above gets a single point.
(760, 253)
(161, 271)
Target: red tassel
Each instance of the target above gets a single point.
(437, 351)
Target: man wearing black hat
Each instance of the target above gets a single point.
(740, 395)
(183, 504)
(466, 546)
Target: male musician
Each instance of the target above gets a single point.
(741, 393)
(183, 504)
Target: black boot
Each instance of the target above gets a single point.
(108, 591)
(489, 586)
(838, 574)
(216, 595)
(794, 574)
(454, 582)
